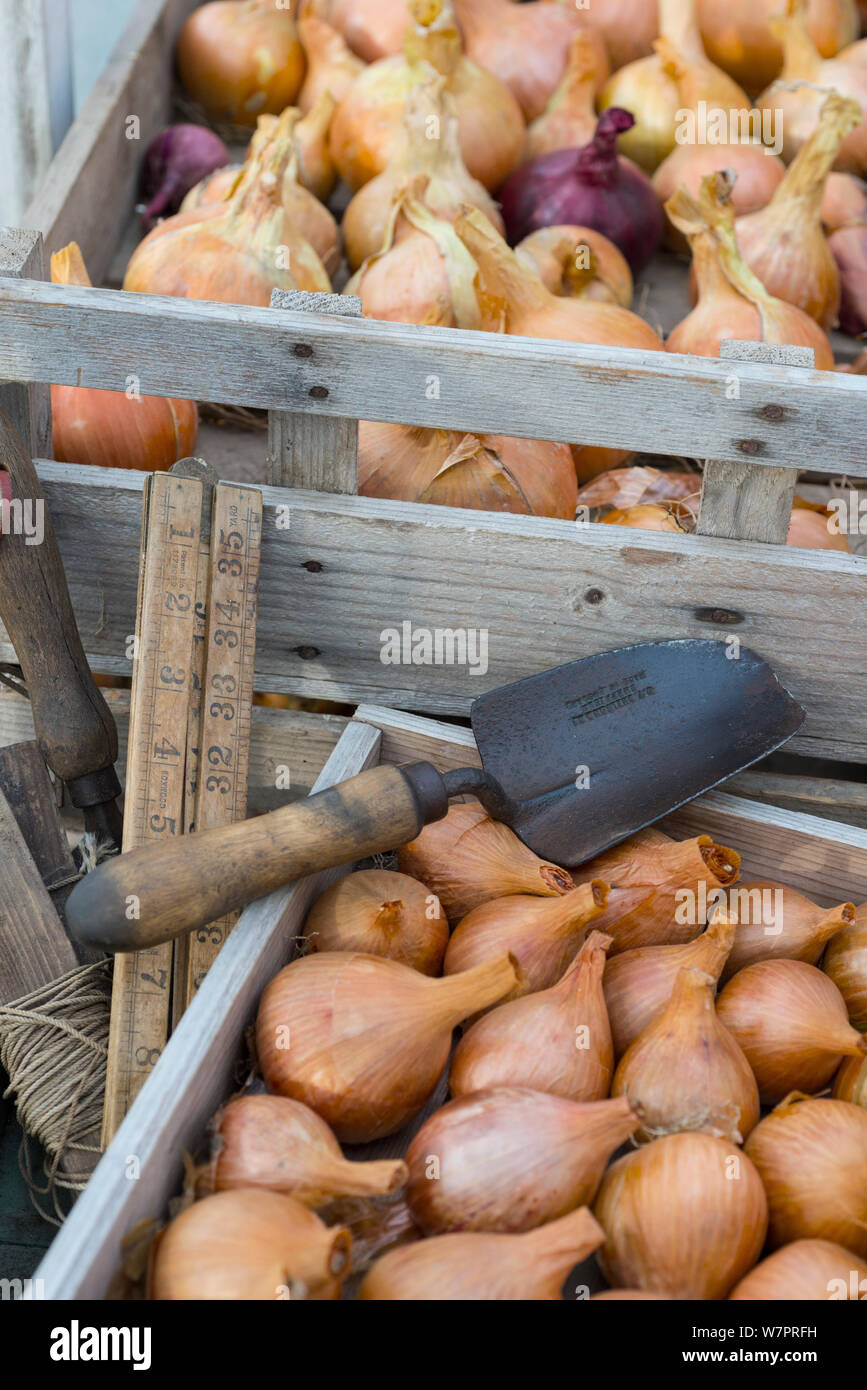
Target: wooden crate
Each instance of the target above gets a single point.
(142, 1169)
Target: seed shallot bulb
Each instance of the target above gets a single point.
(776, 922)
(238, 58)
(509, 1158)
(577, 262)
(363, 1040)
(331, 65)
(791, 1022)
(627, 26)
(648, 517)
(569, 119)
(468, 858)
(366, 128)
(638, 983)
(732, 301)
(844, 202)
(249, 1244)
(372, 28)
(430, 146)
(846, 964)
(806, 1271)
(739, 35)
(278, 1144)
(850, 1083)
(686, 1216)
(785, 243)
(686, 1072)
(110, 429)
(492, 473)
(812, 1158)
(474, 1267)
(556, 1040)
(759, 174)
(542, 934)
(383, 914)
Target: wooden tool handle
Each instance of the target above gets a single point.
(145, 897)
(74, 726)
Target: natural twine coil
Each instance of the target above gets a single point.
(53, 1046)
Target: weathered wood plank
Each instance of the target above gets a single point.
(363, 369)
(34, 948)
(27, 403)
(193, 1076)
(815, 796)
(319, 452)
(93, 177)
(29, 791)
(524, 581)
(743, 501)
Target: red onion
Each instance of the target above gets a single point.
(591, 187)
(174, 162)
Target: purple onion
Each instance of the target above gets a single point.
(175, 161)
(590, 187)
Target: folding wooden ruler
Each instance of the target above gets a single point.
(189, 739)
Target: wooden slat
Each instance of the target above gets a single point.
(34, 948)
(826, 797)
(363, 369)
(194, 1075)
(93, 178)
(313, 451)
(29, 791)
(523, 580)
(27, 403)
(743, 501)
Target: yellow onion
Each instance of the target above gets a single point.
(467, 858)
(578, 262)
(805, 1271)
(316, 169)
(627, 26)
(430, 147)
(556, 1040)
(475, 1267)
(844, 202)
(777, 922)
(249, 1244)
(686, 1072)
(810, 530)
(381, 913)
(850, 1083)
(569, 119)
(237, 253)
(332, 67)
(784, 242)
(812, 1158)
(492, 473)
(846, 964)
(542, 934)
(732, 301)
(274, 1143)
(239, 58)
(659, 89)
(686, 1216)
(802, 89)
(791, 1022)
(758, 171)
(509, 1158)
(366, 127)
(740, 35)
(114, 429)
(638, 983)
(623, 1295)
(627, 487)
(648, 516)
(372, 28)
(363, 1040)
(527, 46)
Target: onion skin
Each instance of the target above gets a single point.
(686, 1072)
(467, 859)
(175, 160)
(627, 26)
(363, 1040)
(542, 934)
(850, 1083)
(383, 914)
(805, 1271)
(331, 64)
(812, 1158)
(472, 1267)
(646, 517)
(809, 529)
(569, 119)
(510, 1158)
(844, 202)
(846, 964)
(685, 1217)
(249, 1244)
(759, 175)
(638, 983)
(624, 1295)
(802, 933)
(791, 1022)
(556, 254)
(556, 1040)
(238, 58)
(849, 249)
(492, 473)
(272, 1143)
(372, 28)
(740, 37)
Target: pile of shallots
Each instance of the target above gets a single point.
(642, 1073)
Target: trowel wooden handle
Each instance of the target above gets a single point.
(74, 726)
(154, 893)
